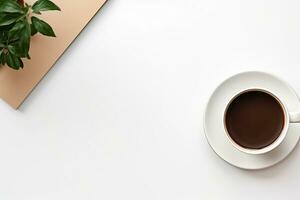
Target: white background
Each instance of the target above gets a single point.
(120, 115)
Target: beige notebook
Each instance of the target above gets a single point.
(15, 86)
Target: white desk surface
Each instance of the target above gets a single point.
(120, 115)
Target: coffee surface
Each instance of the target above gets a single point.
(254, 119)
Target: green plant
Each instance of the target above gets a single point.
(18, 22)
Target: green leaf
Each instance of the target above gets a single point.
(44, 5)
(42, 27)
(22, 47)
(8, 18)
(13, 61)
(19, 37)
(12, 50)
(8, 6)
(33, 30)
(2, 57)
(16, 30)
(22, 65)
(5, 29)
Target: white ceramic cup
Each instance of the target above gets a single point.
(289, 117)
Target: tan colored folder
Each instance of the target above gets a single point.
(15, 86)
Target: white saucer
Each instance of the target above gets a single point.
(213, 119)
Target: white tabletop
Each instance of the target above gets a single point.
(120, 115)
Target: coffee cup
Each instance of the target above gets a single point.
(256, 121)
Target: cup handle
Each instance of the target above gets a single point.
(294, 117)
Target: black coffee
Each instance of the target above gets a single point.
(254, 119)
